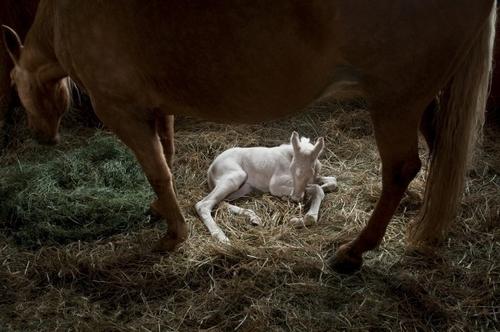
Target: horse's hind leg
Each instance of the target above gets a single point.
(223, 188)
(138, 131)
(428, 123)
(397, 139)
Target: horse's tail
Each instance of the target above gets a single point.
(458, 128)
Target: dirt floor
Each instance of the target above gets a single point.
(75, 239)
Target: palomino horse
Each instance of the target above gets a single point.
(251, 61)
(18, 14)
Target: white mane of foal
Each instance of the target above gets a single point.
(286, 171)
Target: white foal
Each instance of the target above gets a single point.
(289, 170)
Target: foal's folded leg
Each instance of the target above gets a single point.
(316, 194)
(328, 183)
(252, 217)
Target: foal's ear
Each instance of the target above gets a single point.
(318, 147)
(12, 43)
(294, 140)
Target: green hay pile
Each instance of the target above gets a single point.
(272, 278)
(53, 195)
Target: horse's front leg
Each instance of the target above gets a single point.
(139, 132)
(316, 195)
(165, 129)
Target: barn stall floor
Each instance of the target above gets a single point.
(76, 236)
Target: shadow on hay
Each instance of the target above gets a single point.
(229, 282)
(204, 286)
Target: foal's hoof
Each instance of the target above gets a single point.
(256, 221)
(222, 238)
(344, 262)
(307, 221)
(310, 219)
(167, 243)
(297, 222)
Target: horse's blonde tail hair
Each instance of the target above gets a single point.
(459, 125)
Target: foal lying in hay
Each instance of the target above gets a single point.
(289, 170)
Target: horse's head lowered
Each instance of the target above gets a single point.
(304, 165)
(41, 86)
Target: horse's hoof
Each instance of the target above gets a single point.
(167, 244)
(344, 262)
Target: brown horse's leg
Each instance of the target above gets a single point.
(428, 124)
(139, 132)
(397, 140)
(165, 128)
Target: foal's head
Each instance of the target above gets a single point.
(304, 164)
(41, 86)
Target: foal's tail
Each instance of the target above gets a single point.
(458, 130)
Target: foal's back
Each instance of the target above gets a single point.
(258, 163)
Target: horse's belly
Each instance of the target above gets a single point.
(235, 64)
(262, 108)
